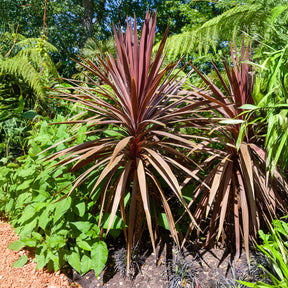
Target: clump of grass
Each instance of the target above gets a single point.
(224, 282)
(254, 273)
(180, 272)
(136, 262)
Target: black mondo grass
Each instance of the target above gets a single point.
(181, 273)
(120, 258)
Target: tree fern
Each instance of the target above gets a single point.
(29, 59)
(258, 18)
(92, 48)
(19, 66)
(36, 42)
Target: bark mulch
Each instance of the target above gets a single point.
(26, 276)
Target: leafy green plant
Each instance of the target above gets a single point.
(275, 248)
(14, 131)
(26, 69)
(236, 192)
(138, 115)
(60, 230)
(271, 95)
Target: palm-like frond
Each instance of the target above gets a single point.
(19, 66)
(30, 61)
(256, 19)
(93, 47)
(26, 43)
(142, 105)
(240, 198)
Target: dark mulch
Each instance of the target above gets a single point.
(211, 265)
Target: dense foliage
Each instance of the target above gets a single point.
(61, 231)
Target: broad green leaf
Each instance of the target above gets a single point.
(115, 233)
(29, 242)
(163, 221)
(74, 260)
(21, 261)
(61, 207)
(16, 245)
(44, 219)
(29, 114)
(27, 171)
(43, 195)
(9, 206)
(99, 256)
(80, 207)
(39, 206)
(117, 222)
(86, 264)
(83, 226)
(55, 241)
(83, 244)
(37, 236)
(93, 232)
(22, 199)
(41, 260)
(34, 150)
(27, 229)
(4, 171)
(26, 184)
(28, 213)
(53, 264)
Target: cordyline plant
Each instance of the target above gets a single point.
(137, 99)
(240, 199)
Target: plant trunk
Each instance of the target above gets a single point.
(138, 220)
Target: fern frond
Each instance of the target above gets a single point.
(34, 57)
(19, 66)
(222, 28)
(92, 45)
(178, 45)
(34, 42)
(219, 28)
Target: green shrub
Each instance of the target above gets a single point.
(60, 228)
(275, 248)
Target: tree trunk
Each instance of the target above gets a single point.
(88, 6)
